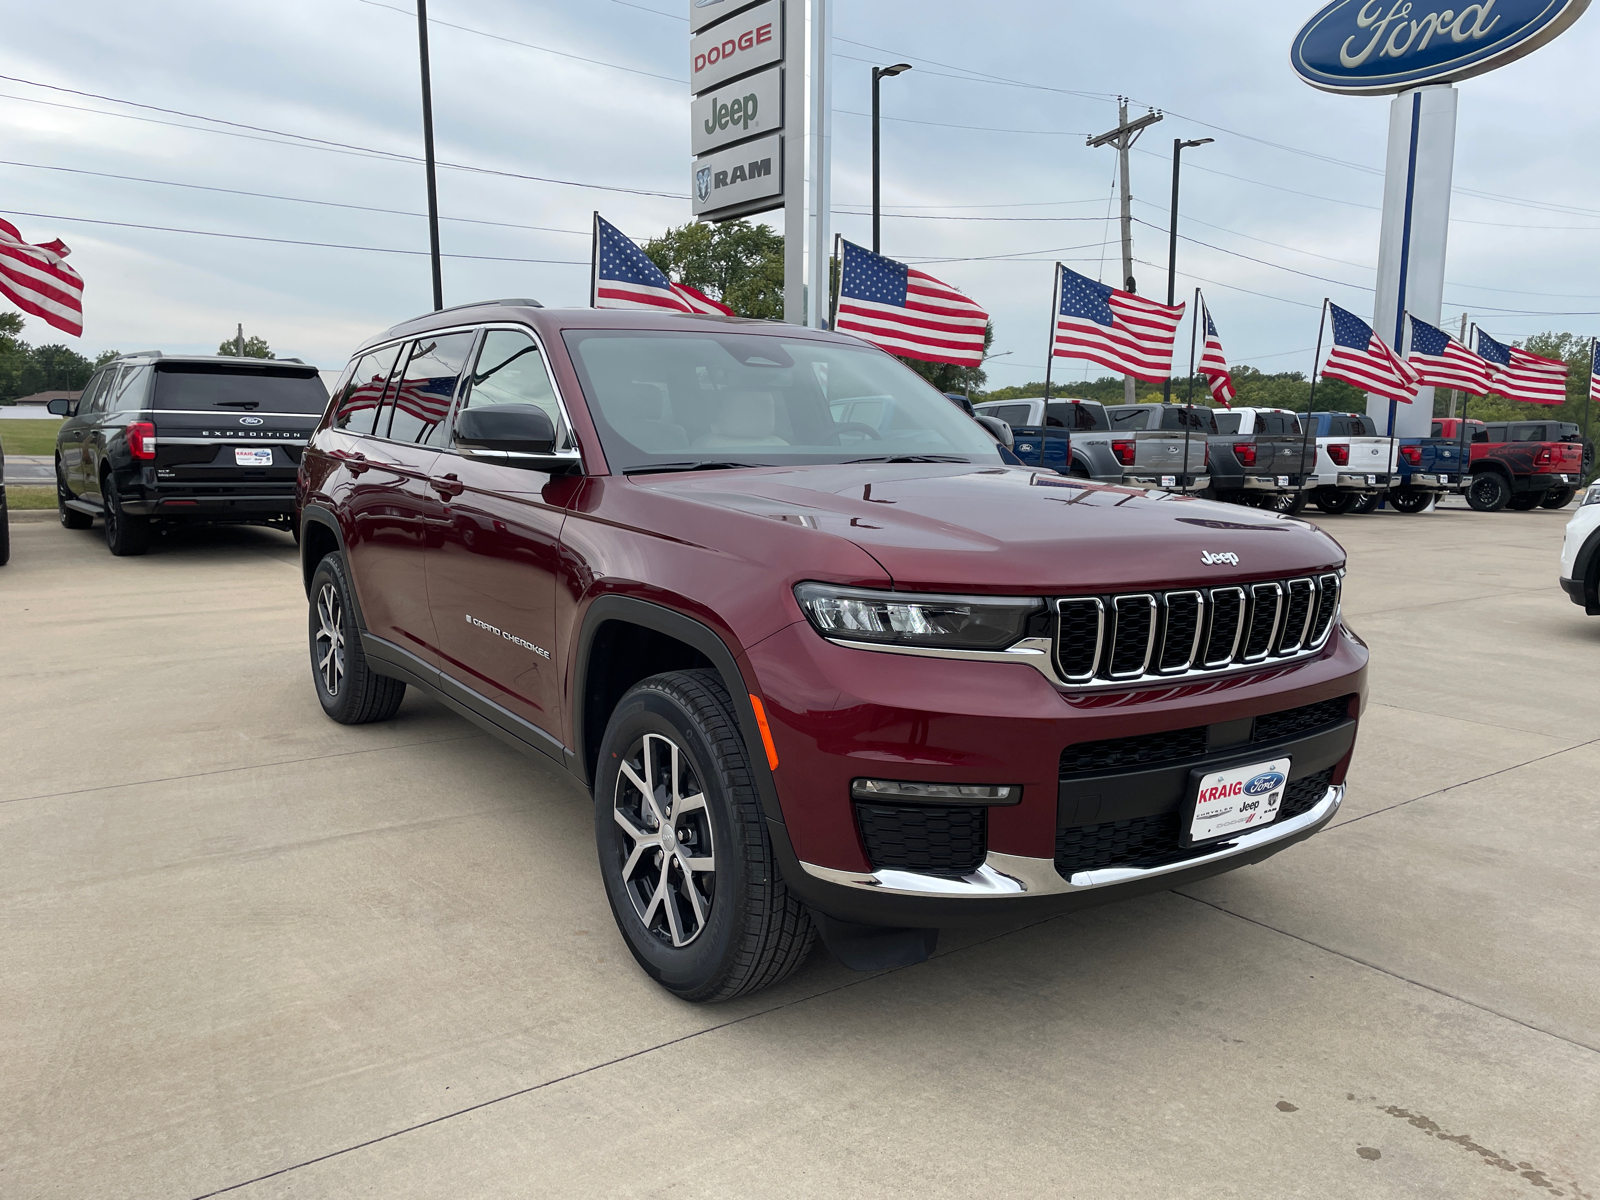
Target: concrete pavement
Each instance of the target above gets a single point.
(249, 951)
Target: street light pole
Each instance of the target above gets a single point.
(877, 74)
(1178, 147)
(427, 152)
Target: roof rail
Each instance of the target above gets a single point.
(514, 302)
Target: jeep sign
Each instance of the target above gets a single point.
(738, 45)
(737, 111)
(744, 174)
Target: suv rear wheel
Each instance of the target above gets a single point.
(350, 691)
(1488, 492)
(71, 518)
(1557, 497)
(684, 853)
(125, 534)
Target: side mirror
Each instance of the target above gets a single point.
(59, 408)
(513, 435)
(998, 429)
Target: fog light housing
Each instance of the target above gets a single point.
(970, 794)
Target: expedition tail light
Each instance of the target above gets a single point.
(142, 440)
(1124, 452)
(1412, 455)
(1340, 453)
(1245, 452)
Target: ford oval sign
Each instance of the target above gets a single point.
(1369, 47)
(1267, 781)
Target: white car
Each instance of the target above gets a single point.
(1580, 553)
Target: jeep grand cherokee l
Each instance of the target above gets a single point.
(820, 676)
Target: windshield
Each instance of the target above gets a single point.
(677, 400)
(204, 386)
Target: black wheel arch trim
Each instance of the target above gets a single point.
(317, 514)
(694, 634)
(1586, 571)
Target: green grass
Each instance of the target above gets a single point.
(28, 437)
(21, 498)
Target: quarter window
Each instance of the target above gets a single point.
(511, 370)
(362, 395)
(420, 402)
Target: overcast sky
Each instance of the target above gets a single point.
(957, 147)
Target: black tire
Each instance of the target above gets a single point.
(1489, 491)
(5, 528)
(1409, 499)
(1524, 502)
(350, 691)
(1558, 497)
(1333, 502)
(126, 535)
(1367, 503)
(1290, 504)
(70, 518)
(741, 929)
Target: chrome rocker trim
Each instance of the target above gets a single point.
(1011, 875)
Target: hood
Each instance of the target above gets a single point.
(1008, 530)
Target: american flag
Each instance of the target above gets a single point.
(38, 281)
(906, 311)
(1360, 357)
(1522, 376)
(1096, 322)
(1442, 361)
(624, 276)
(699, 302)
(1594, 370)
(1214, 366)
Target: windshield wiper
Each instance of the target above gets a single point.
(237, 403)
(910, 458)
(659, 468)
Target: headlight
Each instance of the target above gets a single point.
(1591, 495)
(907, 619)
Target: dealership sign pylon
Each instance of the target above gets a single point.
(1417, 51)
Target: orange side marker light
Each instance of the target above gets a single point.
(766, 732)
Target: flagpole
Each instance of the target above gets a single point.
(1311, 400)
(1588, 399)
(1188, 399)
(594, 262)
(1050, 362)
(836, 286)
(1466, 399)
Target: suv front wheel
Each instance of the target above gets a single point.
(350, 691)
(71, 518)
(684, 853)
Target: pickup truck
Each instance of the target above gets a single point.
(1518, 464)
(1258, 456)
(1171, 445)
(1354, 466)
(1075, 435)
(1428, 468)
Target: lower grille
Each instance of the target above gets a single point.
(930, 839)
(1300, 720)
(1153, 841)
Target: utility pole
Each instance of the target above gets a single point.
(427, 153)
(1455, 392)
(1178, 147)
(1123, 137)
(238, 342)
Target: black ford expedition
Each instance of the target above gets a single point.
(158, 438)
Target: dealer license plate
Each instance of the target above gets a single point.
(1283, 481)
(252, 457)
(1372, 480)
(1169, 481)
(1229, 803)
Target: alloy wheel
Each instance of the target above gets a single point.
(330, 639)
(669, 870)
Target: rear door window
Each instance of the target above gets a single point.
(1198, 420)
(1528, 433)
(218, 387)
(362, 395)
(91, 393)
(1083, 418)
(1273, 423)
(418, 404)
(1124, 419)
(511, 370)
(1493, 433)
(1229, 423)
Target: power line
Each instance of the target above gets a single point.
(529, 45)
(250, 237)
(292, 199)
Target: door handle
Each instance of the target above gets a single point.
(354, 461)
(449, 487)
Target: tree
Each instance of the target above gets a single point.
(254, 347)
(948, 377)
(738, 263)
(1285, 389)
(106, 356)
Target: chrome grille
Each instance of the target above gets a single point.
(1190, 632)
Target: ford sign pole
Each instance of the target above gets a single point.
(427, 152)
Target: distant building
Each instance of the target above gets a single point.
(40, 399)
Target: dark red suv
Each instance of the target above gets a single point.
(825, 662)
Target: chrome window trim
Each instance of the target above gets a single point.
(1277, 621)
(1116, 634)
(1010, 875)
(231, 438)
(1199, 631)
(1238, 628)
(1099, 635)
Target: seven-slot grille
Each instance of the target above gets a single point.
(1157, 635)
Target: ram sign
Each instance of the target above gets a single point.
(1369, 47)
(749, 174)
